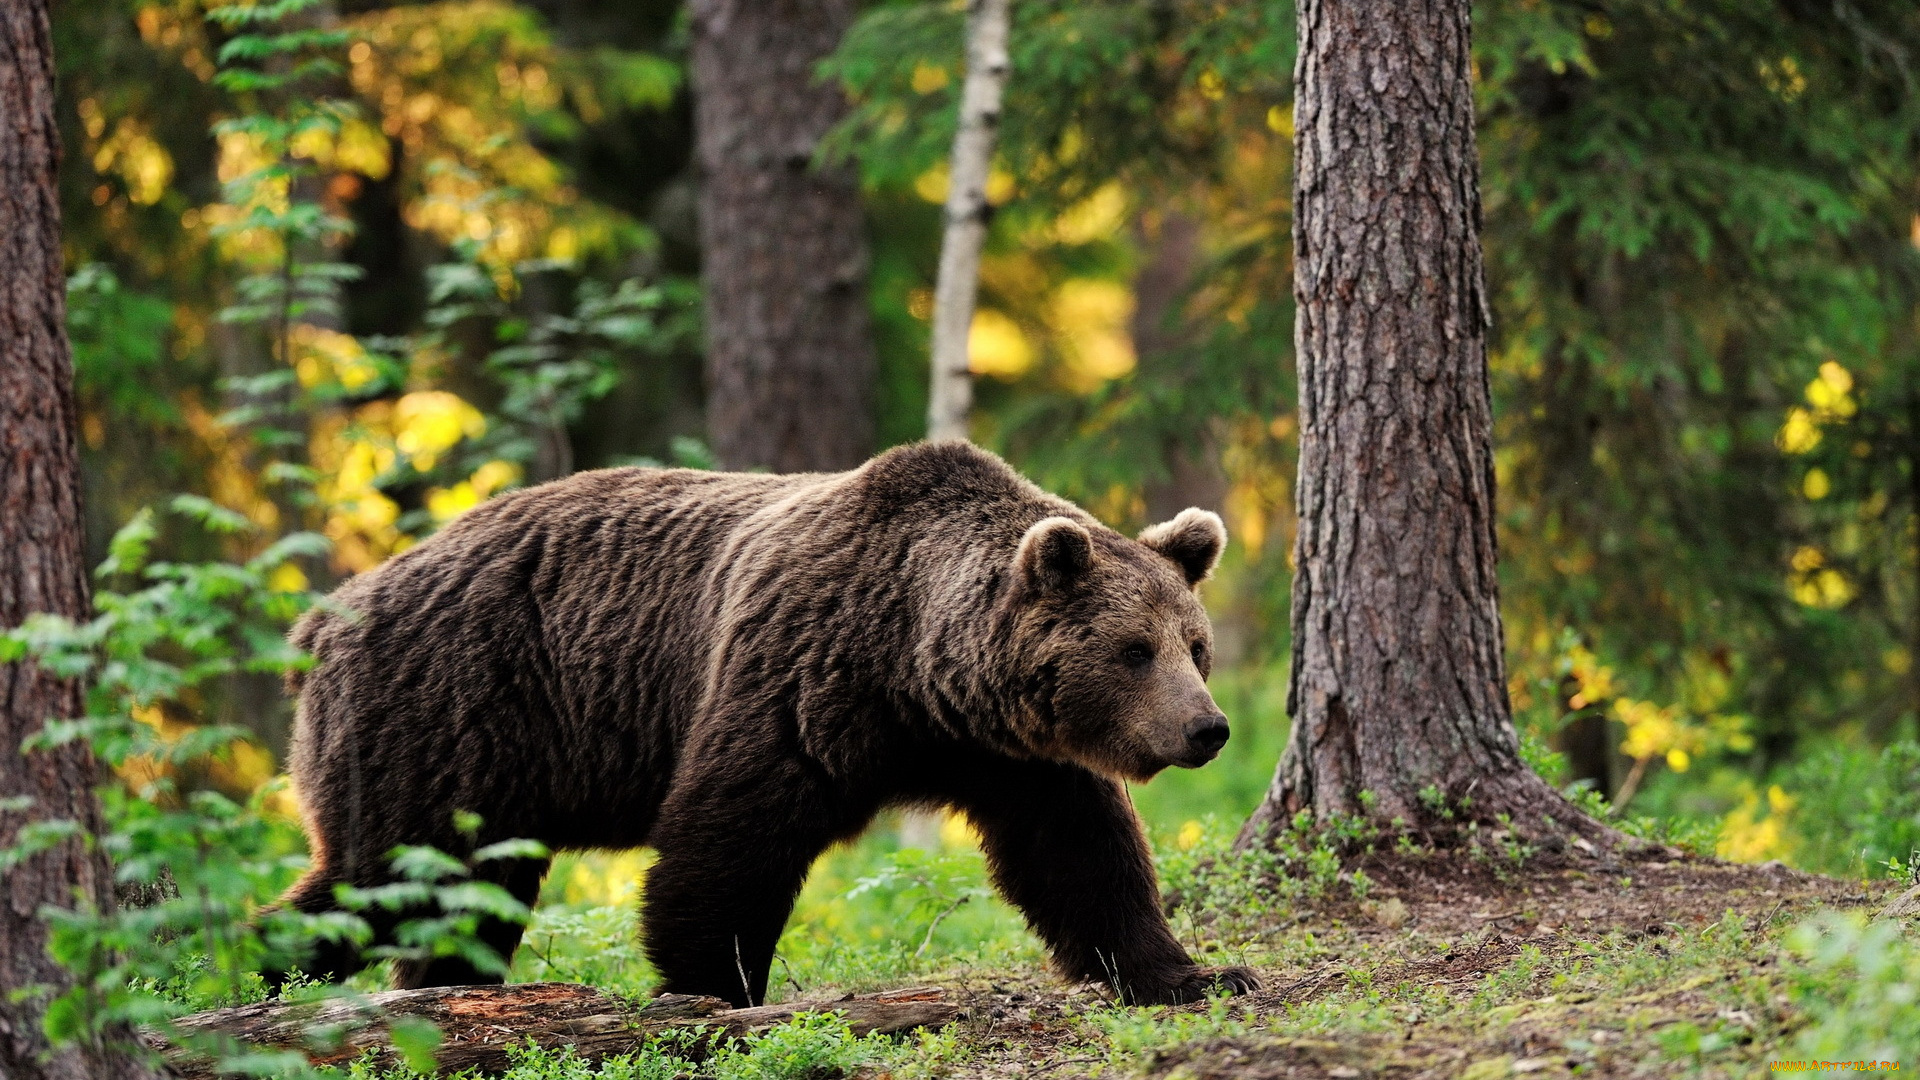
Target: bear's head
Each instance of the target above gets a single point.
(1113, 646)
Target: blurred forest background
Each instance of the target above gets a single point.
(1702, 232)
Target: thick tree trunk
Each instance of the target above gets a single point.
(951, 399)
(42, 555)
(790, 360)
(1399, 682)
(479, 1024)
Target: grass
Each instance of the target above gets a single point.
(1400, 963)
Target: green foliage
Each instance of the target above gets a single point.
(1237, 894)
(874, 913)
(931, 886)
(1862, 989)
(599, 946)
(202, 864)
(119, 338)
(811, 1046)
(1096, 90)
(552, 364)
(1860, 810)
(1133, 1035)
(446, 904)
(269, 52)
(178, 626)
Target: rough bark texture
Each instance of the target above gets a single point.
(1399, 683)
(478, 1023)
(42, 560)
(790, 360)
(951, 398)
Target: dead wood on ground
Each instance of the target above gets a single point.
(478, 1023)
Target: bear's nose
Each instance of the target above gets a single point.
(1207, 734)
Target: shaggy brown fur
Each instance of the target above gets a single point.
(740, 670)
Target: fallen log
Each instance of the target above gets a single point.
(478, 1023)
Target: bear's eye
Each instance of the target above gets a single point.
(1137, 655)
(1199, 651)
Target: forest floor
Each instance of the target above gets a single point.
(1614, 966)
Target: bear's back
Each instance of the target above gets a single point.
(557, 633)
(562, 642)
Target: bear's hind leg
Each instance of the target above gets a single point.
(322, 961)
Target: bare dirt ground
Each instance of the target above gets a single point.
(1650, 964)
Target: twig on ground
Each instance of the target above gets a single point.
(935, 924)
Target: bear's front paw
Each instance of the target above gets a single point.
(1198, 983)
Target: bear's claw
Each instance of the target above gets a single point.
(1201, 982)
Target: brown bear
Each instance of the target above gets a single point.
(740, 670)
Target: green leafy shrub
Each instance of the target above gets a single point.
(207, 865)
(1860, 810)
(812, 1046)
(1861, 988)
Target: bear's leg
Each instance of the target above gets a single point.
(1065, 847)
(330, 961)
(521, 878)
(735, 846)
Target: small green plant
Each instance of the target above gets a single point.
(1903, 872)
(934, 885)
(598, 946)
(1129, 1035)
(1236, 893)
(811, 1046)
(1435, 802)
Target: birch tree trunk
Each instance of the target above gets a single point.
(958, 282)
(1399, 680)
(42, 559)
(790, 357)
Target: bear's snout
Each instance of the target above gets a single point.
(1206, 734)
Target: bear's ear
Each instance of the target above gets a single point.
(1193, 540)
(1055, 553)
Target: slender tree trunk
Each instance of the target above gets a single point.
(790, 360)
(43, 566)
(958, 282)
(1913, 515)
(1399, 682)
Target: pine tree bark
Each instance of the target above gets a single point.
(1399, 680)
(43, 567)
(790, 357)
